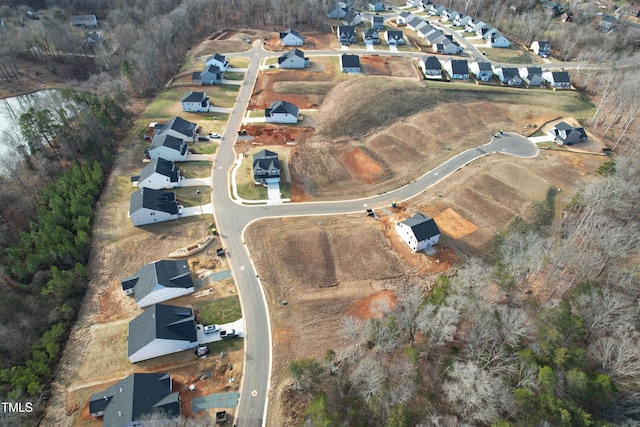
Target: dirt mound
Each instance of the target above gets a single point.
(357, 106)
(361, 165)
(373, 305)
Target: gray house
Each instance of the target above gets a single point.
(210, 75)
(349, 63)
(377, 22)
(376, 6)
(148, 206)
(563, 133)
(346, 34)
(159, 281)
(131, 399)
(84, 20)
(160, 330)
(532, 76)
(431, 66)
(458, 69)
(291, 38)
(266, 167)
(293, 59)
(394, 37)
(371, 36)
(508, 75)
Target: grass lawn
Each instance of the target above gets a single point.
(508, 55)
(234, 76)
(223, 96)
(223, 310)
(196, 169)
(271, 61)
(469, 34)
(238, 62)
(190, 197)
(163, 106)
(214, 122)
(226, 346)
(251, 191)
(256, 113)
(209, 148)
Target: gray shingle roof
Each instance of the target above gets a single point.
(350, 61)
(290, 31)
(161, 322)
(194, 96)
(431, 63)
(157, 275)
(459, 66)
(289, 54)
(177, 124)
(156, 200)
(423, 226)
(134, 397)
(170, 141)
(161, 166)
(281, 107)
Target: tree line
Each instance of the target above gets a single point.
(486, 346)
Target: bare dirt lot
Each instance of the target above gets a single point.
(313, 40)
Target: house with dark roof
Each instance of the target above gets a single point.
(148, 206)
(339, 11)
(293, 59)
(482, 70)
(436, 10)
(418, 231)
(84, 20)
(291, 37)
(541, 48)
(178, 127)
(266, 168)
(563, 133)
(449, 14)
(210, 75)
(349, 63)
(346, 34)
(424, 5)
(377, 22)
(461, 20)
(508, 75)
(371, 36)
(607, 23)
(159, 281)
(394, 37)
(352, 18)
(458, 69)
(474, 25)
(496, 39)
(375, 6)
(195, 101)
(168, 147)
(132, 399)
(532, 76)
(424, 29)
(219, 61)
(413, 22)
(161, 330)
(434, 37)
(159, 174)
(447, 47)
(281, 112)
(431, 66)
(402, 18)
(557, 79)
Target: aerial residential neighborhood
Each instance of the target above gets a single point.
(363, 194)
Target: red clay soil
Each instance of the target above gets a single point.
(361, 165)
(270, 135)
(264, 94)
(373, 305)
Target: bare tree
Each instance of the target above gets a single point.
(604, 309)
(619, 356)
(368, 379)
(407, 310)
(353, 329)
(439, 324)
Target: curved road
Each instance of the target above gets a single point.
(232, 218)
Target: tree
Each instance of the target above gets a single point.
(353, 329)
(305, 372)
(439, 324)
(407, 310)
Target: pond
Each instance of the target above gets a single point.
(12, 108)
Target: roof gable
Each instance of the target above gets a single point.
(350, 61)
(165, 273)
(161, 321)
(422, 226)
(155, 200)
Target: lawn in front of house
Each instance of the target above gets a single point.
(219, 311)
(193, 196)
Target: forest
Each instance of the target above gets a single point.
(453, 357)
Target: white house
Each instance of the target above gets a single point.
(508, 75)
(159, 174)
(532, 76)
(461, 20)
(291, 38)
(349, 63)
(134, 398)
(352, 18)
(371, 36)
(541, 48)
(210, 75)
(431, 66)
(219, 61)
(168, 147)
(281, 112)
(195, 101)
(402, 18)
(435, 37)
(557, 79)
(458, 69)
(346, 34)
(161, 330)
(266, 168)
(159, 281)
(377, 22)
(482, 70)
(496, 39)
(418, 231)
(178, 127)
(563, 133)
(474, 25)
(339, 11)
(148, 206)
(293, 59)
(394, 37)
(376, 6)
(446, 47)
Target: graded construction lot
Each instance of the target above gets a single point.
(329, 267)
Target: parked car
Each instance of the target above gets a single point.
(272, 66)
(214, 135)
(228, 334)
(209, 329)
(203, 138)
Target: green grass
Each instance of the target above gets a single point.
(224, 96)
(271, 61)
(200, 169)
(551, 146)
(209, 148)
(163, 102)
(508, 55)
(234, 76)
(226, 346)
(223, 310)
(238, 62)
(468, 34)
(256, 113)
(252, 192)
(190, 197)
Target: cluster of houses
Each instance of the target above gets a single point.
(460, 69)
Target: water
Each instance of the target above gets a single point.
(12, 108)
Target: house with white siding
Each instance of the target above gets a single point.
(557, 79)
(349, 63)
(149, 206)
(293, 59)
(219, 61)
(266, 168)
(281, 112)
(541, 48)
(458, 69)
(178, 127)
(532, 76)
(291, 37)
(419, 231)
(394, 37)
(159, 281)
(431, 66)
(195, 101)
(482, 70)
(159, 174)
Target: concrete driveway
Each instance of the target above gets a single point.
(198, 210)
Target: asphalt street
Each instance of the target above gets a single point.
(232, 218)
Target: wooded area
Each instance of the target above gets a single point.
(455, 356)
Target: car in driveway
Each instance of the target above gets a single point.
(214, 135)
(209, 329)
(228, 334)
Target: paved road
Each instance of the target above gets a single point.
(232, 218)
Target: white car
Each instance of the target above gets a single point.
(214, 135)
(209, 329)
